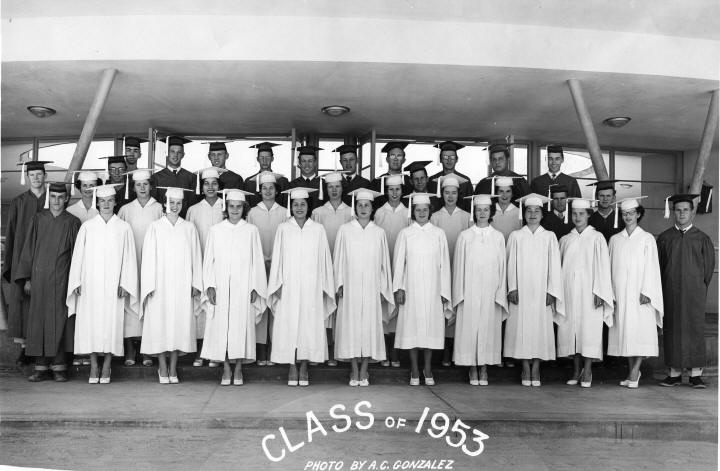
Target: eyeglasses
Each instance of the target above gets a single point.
(631, 212)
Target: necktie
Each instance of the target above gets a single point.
(552, 176)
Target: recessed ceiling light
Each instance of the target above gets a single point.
(41, 111)
(335, 110)
(616, 122)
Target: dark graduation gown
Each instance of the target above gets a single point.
(466, 189)
(45, 261)
(520, 185)
(355, 182)
(541, 184)
(251, 183)
(19, 221)
(553, 223)
(315, 200)
(687, 262)
(183, 179)
(605, 225)
(231, 179)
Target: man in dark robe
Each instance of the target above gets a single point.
(687, 262)
(554, 220)
(173, 175)
(43, 271)
(604, 219)
(218, 155)
(265, 157)
(19, 221)
(308, 163)
(541, 184)
(448, 160)
(352, 180)
(395, 158)
(117, 170)
(133, 152)
(500, 163)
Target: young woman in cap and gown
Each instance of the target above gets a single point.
(171, 287)
(236, 287)
(421, 283)
(588, 294)
(392, 217)
(103, 284)
(84, 208)
(301, 291)
(638, 291)
(535, 291)
(139, 213)
(479, 292)
(266, 215)
(205, 214)
(363, 288)
(452, 220)
(333, 214)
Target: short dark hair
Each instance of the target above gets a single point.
(372, 213)
(246, 206)
(77, 183)
(221, 185)
(493, 210)
(307, 200)
(640, 211)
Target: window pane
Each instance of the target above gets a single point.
(645, 166)
(520, 159)
(577, 163)
(13, 152)
(329, 160)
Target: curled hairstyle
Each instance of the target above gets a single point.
(412, 211)
(493, 209)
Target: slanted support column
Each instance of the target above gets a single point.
(706, 143)
(91, 122)
(589, 130)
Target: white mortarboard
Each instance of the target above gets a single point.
(332, 177)
(417, 198)
(581, 203)
(478, 200)
(82, 176)
(451, 179)
(208, 172)
(626, 204)
(394, 179)
(173, 192)
(533, 199)
(265, 177)
(500, 181)
(362, 194)
(138, 175)
(299, 192)
(233, 194)
(103, 191)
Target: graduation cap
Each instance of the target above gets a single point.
(347, 149)
(603, 185)
(56, 187)
(417, 166)
(554, 149)
(31, 165)
(308, 150)
(626, 204)
(449, 145)
(679, 198)
(394, 145)
(362, 194)
(138, 175)
(533, 199)
(451, 179)
(83, 176)
(217, 146)
(479, 199)
(331, 177)
(173, 192)
(233, 194)
(299, 192)
(132, 141)
(499, 147)
(501, 181)
(176, 141)
(394, 179)
(420, 198)
(556, 188)
(103, 191)
(266, 177)
(264, 146)
(581, 203)
(208, 172)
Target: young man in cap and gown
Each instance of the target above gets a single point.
(535, 291)
(687, 262)
(307, 162)
(554, 176)
(395, 158)
(19, 221)
(117, 171)
(557, 214)
(352, 180)
(301, 290)
(266, 215)
(84, 208)
(171, 287)
(103, 284)
(43, 270)
(218, 155)
(448, 160)
(133, 152)
(603, 219)
(173, 175)
(235, 286)
(265, 157)
(139, 213)
(420, 183)
(500, 163)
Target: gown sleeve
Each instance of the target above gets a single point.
(445, 275)
(199, 301)
(76, 268)
(708, 253)
(209, 272)
(554, 280)
(651, 282)
(458, 271)
(129, 273)
(275, 280)
(258, 281)
(148, 266)
(325, 270)
(386, 291)
(501, 291)
(24, 269)
(602, 282)
(512, 275)
(339, 259)
(399, 275)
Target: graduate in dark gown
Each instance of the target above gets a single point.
(43, 271)
(687, 261)
(265, 157)
(352, 180)
(541, 184)
(174, 176)
(448, 160)
(500, 161)
(218, 155)
(395, 158)
(605, 220)
(307, 160)
(556, 219)
(117, 170)
(19, 221)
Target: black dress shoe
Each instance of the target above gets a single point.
(38, 376)
(22, 360)
(670, 381)
(59, 376)
(696, 382)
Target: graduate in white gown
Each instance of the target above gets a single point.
(588, 293)
(452, 220)
(267, 215)
(171, 287)
(479, 292)
(301, 291)
(507, 216)
(363, 282)
(638, 292)
(421, 282)
(85, 207)
(139, 213)
(236, 288)
(333, 214)
(103, 284)
(535, 291)
(392, 217)
(205, 214)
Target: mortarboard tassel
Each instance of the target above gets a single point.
(257, 183)
(127, 186)
(288, 208)
(616, 216)
(47, 196)
(520, 214)
(549, 196)
(410, 207)
(223, 201)
(94, 200)
(352, 207)
(492, 184)
(320, 196)
(667, 208)
(22, 174)
(709, 200)
(382, 184)
(566, 214)
(472, 210)
(72, 186)
(197, 184)
(439, 184)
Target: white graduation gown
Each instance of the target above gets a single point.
(362, 268)
(479, 294)
(534, 270)
(233, 265)
(586, 274)
(139, 217)
(507, 221)
(422, 269)
(331, 219)
(301, 292)
(204, 216)
(172, 266)
(103, 260)
(392, 221)
(635, 271)
(79, 211)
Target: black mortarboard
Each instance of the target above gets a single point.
(501, 147)
(308, 150)
(415, 166)
(132, 141)
(215, 146)
(394, 145)
(58, 187)
(346, 149)
(114, 159)
(264, 146)
(603, 184)
(554, 149)
(176, 141)
(557, 188)
(449, 145)
(679, 198)
(34, 165)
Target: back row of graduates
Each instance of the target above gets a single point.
(303, 290)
